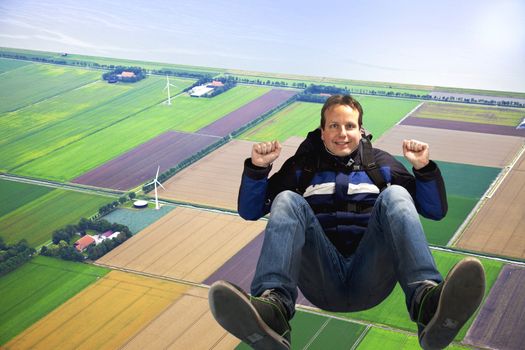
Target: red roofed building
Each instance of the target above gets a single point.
(215, 83)
(84, 242)
(126, 74)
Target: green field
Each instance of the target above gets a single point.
(393, 312)
(38, 144)
(15, 194)
(383, 339)
(38, 287)
(311, 331)
(137, 219)
(379, 115)
(35, 82)
(440, 232)
(7, 65)
(36, 220)
(471, 113)
(185, 114)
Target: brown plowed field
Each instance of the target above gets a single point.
(102, 316)
(214, 180)
(186, 324)
(455, 146)
(187, 244)
(499, 226)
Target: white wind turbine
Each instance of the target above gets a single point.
(168, 87)
(155, 182)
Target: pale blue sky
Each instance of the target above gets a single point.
(470, 44)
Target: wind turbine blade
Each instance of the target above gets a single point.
(157, 176)
(161, 185)
(151, 183)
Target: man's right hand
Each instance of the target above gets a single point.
(265, 153)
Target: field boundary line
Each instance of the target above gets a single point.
(480, 255)
(361, 337)
(494, 186)
(410, 113)
(319, 331)
(147, 274)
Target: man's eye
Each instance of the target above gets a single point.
(333, 126)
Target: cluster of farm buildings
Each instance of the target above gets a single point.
(203, 90)
(87, 240)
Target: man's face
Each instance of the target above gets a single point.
(341, 133)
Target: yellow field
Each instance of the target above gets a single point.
(187, 244)
(103, 316)
(186, 324)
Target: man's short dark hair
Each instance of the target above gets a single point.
(345, 100)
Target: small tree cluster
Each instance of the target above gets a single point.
(62, 248)
(13, 256)
(116, 74)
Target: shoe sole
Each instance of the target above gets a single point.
(461, 296)
(235, 313)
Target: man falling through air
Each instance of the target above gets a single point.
(344, 228)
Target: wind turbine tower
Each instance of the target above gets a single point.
(168, 87)
(155, 182)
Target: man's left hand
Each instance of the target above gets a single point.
(416, 152)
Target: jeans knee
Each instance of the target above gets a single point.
(287, 199)
(395, 193)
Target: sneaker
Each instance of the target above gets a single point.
(441, 310)
(260, 322)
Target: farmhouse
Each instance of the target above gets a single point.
(106, 235)
(200, 90)
(84, 242)
(126, 74)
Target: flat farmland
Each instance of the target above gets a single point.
(16, 194)
(377, 338)
(34, 82)
(137, 219)
(470, 113)
(187, 244)
(199, 183)
(7, 64)
(299, 118)
(103, 316)
(455, 146)
(499, 226)
(393, 312)
(140, 164)
(36, 220)
(29, 152)
(65, 164)
(185, 324)
(294, 120)
(26, 123)
(38, 287)
(500, 323)
(247, 113)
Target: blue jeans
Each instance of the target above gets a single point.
(297, 253)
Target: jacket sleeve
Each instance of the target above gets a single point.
(426, 187)
(257, 192)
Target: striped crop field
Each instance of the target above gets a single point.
(294, 120)
(380, 114)
(470, 113)
(35, 289)
(36, 220)
(377, 338)
(185, 114)
(103, 316)
(41, 143)
(15, 194)
(7, 64)
(393, 311)
(35, 82)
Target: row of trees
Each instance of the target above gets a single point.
(63, 248)
(14, 255)
(207, 76)
(229, 82)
